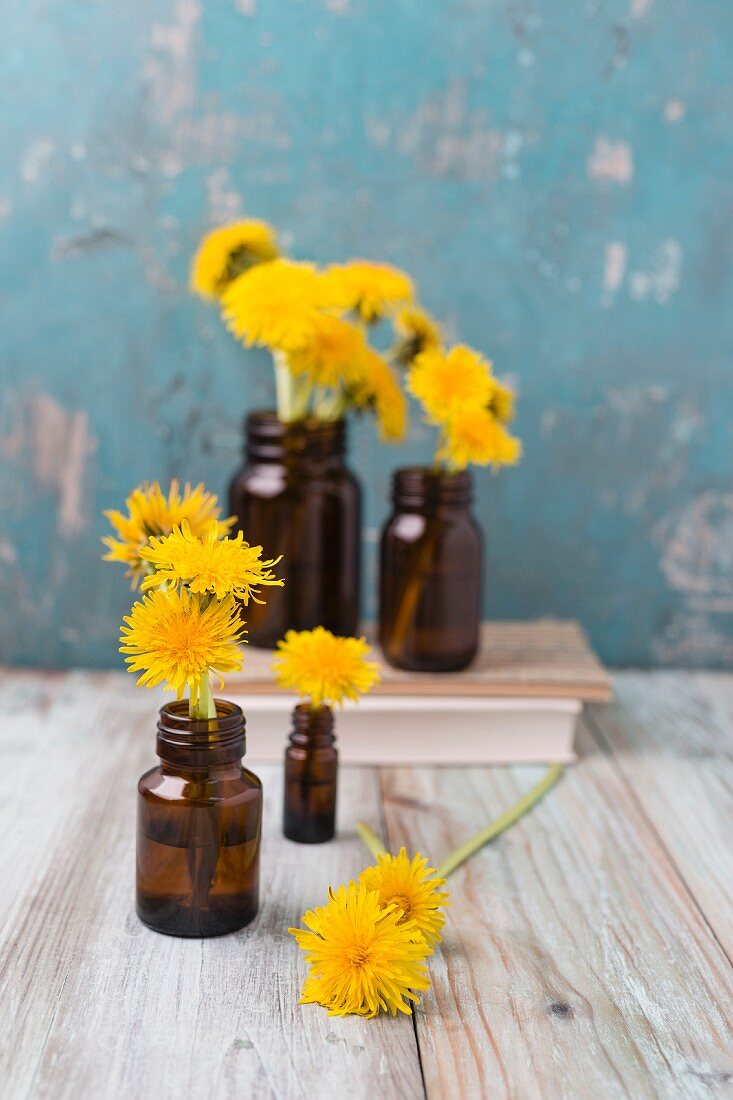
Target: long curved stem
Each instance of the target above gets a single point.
(510, 817)
(371, 840)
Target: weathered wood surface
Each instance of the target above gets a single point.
(584, 955)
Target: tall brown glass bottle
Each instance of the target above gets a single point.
(295, 496)
(311, 770)
(431, 564)
(198, 827)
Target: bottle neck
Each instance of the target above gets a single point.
(300, 442)
(312, 729)
(421, 489)
(204, 743)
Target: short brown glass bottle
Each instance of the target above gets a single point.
(431, 565)
(311, 771)
(198, 827)
(296, 497)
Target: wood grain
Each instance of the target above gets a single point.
(671, 734)
(575, 962)
(102, 1007)
(585, 951)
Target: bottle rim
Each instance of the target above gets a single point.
(426, 486)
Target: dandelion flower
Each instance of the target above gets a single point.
(333, 356)
(501, 401)
(412, 886)
(371, 290)
(206, 563)
(151, 513)
(417, 331)
(323, 667)
(379, 389)
(476, 436)
(227, 252)
(363, 957)
(177, 639)
(279, 304)
(446, 381)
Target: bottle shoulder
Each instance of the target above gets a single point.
(237, 784)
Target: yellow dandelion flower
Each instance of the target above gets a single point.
(279, 304)
(228, 251)
(363, 957)
(151, 513)
(176, 639)
(323, 667)
(476, 436)
(332, 356)
(371, 290)
(379, 389)
(417, 331)
(446, 381)
(501, 401)
(412, 886)
(206, 563)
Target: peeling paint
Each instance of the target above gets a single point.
(639, 8)
(169, 68)
(662, 280)
(674, 110)
(614, 268)
(37, 159)
(611, 161)
(60, 442)
(698, 552)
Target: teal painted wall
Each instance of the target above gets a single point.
(557, 177)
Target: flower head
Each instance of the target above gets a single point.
(378, 389)
(279, 304)
(333, 356)
(228, 251)
(207, 563)
(325, 668)
(501, 401)
(417, 332)
(371, 290)
(177, 638)
(444, 382)
(412, 886)
(151, 513)
(363, 957)
(475, 435)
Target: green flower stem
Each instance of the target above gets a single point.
(205, 707)
(292, 395)
(512, 815)
(371, 840)
(329, 405)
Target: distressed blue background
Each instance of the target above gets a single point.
(556, 176)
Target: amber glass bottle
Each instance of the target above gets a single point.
(431, 564)
(295, 496)
(198, 827)
(311, 770)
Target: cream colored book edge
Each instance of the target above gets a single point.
(432, 730)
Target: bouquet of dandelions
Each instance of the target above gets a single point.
(188, 625)
(316, 323)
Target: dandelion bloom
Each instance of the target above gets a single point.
(476, 436)
(323, 667)
(227, 252)
(379, 389)
(279, 304)
(363, 957)
(417, 332)
(501, 401)
(444, 382)
(151, 513)
(209, 564)
(371, 290)
(177, 639)
(412, 886)
(333, 355)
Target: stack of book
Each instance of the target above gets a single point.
(518, 703)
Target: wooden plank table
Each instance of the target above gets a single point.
(587, 953)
